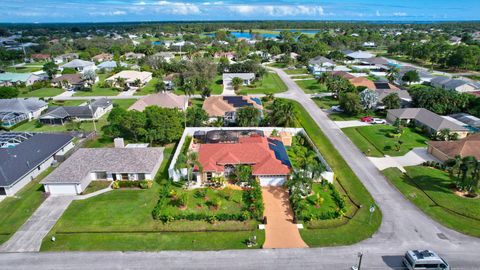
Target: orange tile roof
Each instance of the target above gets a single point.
(469, 146)
(362, 81)
(253, 150)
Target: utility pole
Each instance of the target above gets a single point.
(360, 256)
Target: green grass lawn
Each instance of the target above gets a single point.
(355, 229)
(24, 69)
(325, 103)
(66, 102)
(373, 140)
(148, 89)
(420, 181)
(311, 86)
(216, 86)
(296, 71)
(96, 186)
(269, 84)
(42, 92)
(16, 210)
(97, 91)
(124, 103)
(347, 117)
(85, 125)
(277, 65)
(122, 220)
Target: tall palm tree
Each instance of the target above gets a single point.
(284, 115)
(392, 73)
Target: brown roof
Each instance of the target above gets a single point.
(40, 56)
(102, 56)
(217, 106)
(164, 100)
(469, 146)
(70, 78)
(343, 74)
(362, 81)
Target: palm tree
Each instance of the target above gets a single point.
(189, 88)
(392, 73)
(236, 83)
(284, 114)
(323, 77)
(120, 82)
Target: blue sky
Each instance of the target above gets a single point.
(167, 10)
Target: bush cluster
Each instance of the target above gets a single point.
(306, 212)
(144, 184)
(435, 164)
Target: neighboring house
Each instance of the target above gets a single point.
(72, 82)
(343, 74)
(110, 65)
(163, 100)
(455, 84)
(102, 57)
(353, 56)
(455, 40)
(65, 58)
(131, 77)
(229, 55)
(444, 150)
(115, 164)
(16, 110)
(79, 65)
(405, 98)
(23, 156)
(267, 156)
(62, 114)
(433, 122)
(246, 77)
(134, 56)
(10, 78)
(425, 76)
(226, 106)
(369, 44)
(320, 64)
(167, 56)
(40, 57)
(467, 119)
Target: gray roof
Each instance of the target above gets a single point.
(244, 76)
(427, 118)
(467, 119)
(117, 160)
(402, 94)
(453, 84)
(320, 60)
(377, 61)
(111, 64)
(20, 160)
(70, 78)
(439, 80)
(78, 63)
(76, 111)
(21, 105)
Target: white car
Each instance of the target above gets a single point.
(337, 108)
(378, 121)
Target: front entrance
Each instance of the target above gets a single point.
(2, 191)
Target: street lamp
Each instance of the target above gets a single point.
(360, 256)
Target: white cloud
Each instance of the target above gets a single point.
(377, 13)
(108, 13)
(400, 14)
(212, 3)
(277, 10)
(176, 8)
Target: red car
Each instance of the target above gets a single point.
(367, 119)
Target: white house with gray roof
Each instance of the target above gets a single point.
(246, 77)
(455, 84)
(433, 122)
(16, 110)
(79, 65)
(23, 156)
(114, 164)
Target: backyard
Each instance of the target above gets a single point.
(16, 210)
(377, 140)
(431, 190)
(269, 84)
(122, 220)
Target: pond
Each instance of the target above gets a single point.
(246, 35)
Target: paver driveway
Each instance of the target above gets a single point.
(280, 231)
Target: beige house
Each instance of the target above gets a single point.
(163, 100)
(226, 106)
(131, 77)
(444, 150)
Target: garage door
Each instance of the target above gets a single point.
(272, 180)
(61, 189)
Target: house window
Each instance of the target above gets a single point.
(209, 176)
(141, 176)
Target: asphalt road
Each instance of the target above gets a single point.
(403, 227)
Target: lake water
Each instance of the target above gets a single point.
(247, 35)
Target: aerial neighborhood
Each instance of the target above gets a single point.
(218, 136)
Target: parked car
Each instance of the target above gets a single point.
(378, 121)
(337, 108)
(424, 259)
(366, 119)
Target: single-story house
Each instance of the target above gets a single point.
(425, 118)
(267, 156)
(357, 55)
(62, 114)
(10, 78)
(79, 65)
(226, 106)
(167, 56)
(320, 61)
(425, 76)
(88, 164)
(163, 100)
(16, 110)
(102, 57)
(40, 57)
(246, 77)
(455, 84)
(342, 74)
(369, 44)
(405, 98)
(65, 58)
(72, 81)
(229, 55)
(467, 119)
(110, 65)
(134, 56)
(131, 77)
(444, 150)
(23, 156)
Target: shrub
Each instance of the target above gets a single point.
(115, 185)
(143, 184)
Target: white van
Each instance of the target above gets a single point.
(423, 260)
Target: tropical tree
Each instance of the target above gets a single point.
(350, 102)
(392, 74)
(242, 173)
(369, 99)
(51, 69)
(90, 76)
(196, 116)
(160, 86)
(465, 172)
(189, 161)
(248, 116)
(411, 76)
(236, 83)
(283, 113)
(391, 101)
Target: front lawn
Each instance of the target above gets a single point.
(16, 210)
(97, 91)
(66, 102)
(325, 103)
(269, 84)
(296, 71)
(96, 186)
(122, 220)
(148, 89)
(343, 231)
(124, 103)
(458, 213)
(216, 86)
(42, 92)
(374, 140)
(311, 86)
